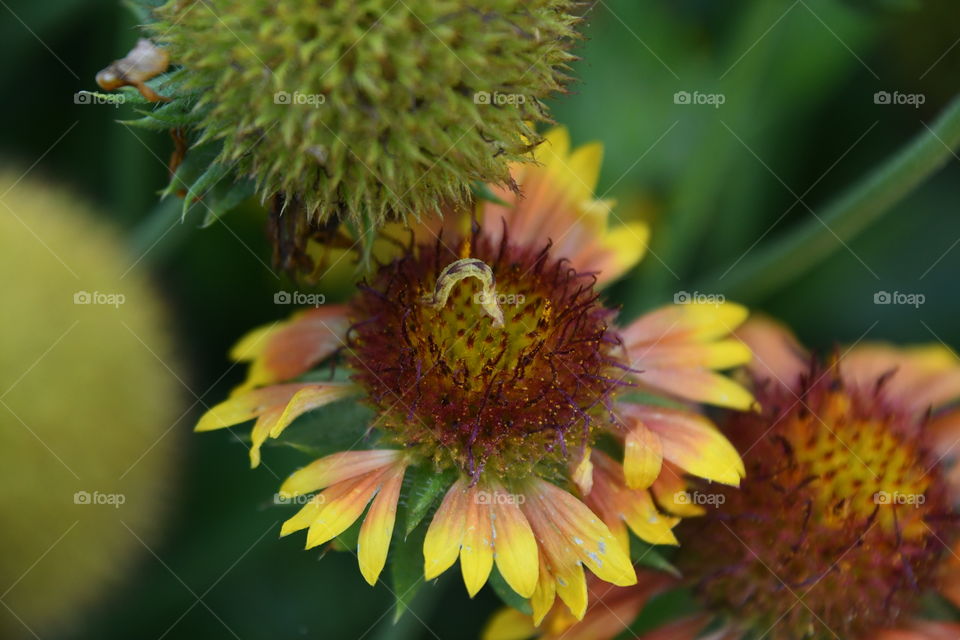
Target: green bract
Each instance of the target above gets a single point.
(369, 109)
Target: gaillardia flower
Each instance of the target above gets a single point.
(488, 355)
(846, 524)
(372, 108)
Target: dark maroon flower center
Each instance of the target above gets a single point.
(466, 392)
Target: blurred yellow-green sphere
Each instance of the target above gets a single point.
(87, 409)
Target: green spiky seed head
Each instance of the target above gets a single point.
(88, 416)
(378, 108)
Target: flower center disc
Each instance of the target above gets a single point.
(843, 509)
(467, 393)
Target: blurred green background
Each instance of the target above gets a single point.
(798, 124)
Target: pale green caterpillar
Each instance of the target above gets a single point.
(468, 268)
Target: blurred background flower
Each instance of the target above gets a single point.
(90, 409)
(729, 125)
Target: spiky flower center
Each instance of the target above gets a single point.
(377, 106)
(840, 524)
(460, 387)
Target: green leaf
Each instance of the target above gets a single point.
(224, 197)
(406, 568)
(423, 489)
(212, 175)
(169, 116)
(339, 426)
(194, 164)
(508, 595)
(648, 555)
(482, 191)
(661, 609)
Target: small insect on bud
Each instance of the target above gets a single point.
(145, 61)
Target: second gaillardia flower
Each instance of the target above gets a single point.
(488, 355)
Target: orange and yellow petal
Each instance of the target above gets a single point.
(570, 536)
(342, 510)
(642, 455)
(546, 592)
(483, 525)
(778, 356)
(556, 203)
(677, 348)
(337, 468)
(693, 322)
(509, 624)
(610, 612)
(314, 509)
(289, 349)
(670, 491)
(274, 408)
(592, 542)
(476, 551)
(919, 377)
(691, 442)
(377, 528)
(441, 546)
(620, 507)
(351, 485)
(582, 473)
(515, 547)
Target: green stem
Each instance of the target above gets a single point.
(159, 232)
(782, 261)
